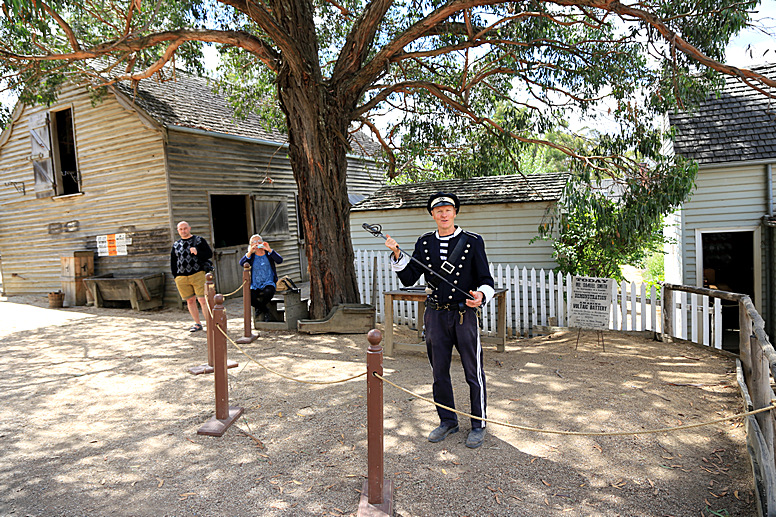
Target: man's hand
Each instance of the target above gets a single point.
(193, 251)
(391, 243)
(478, 296)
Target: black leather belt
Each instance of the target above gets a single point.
(445, 306)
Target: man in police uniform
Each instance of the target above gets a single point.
(451, 318)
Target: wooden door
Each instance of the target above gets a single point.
(228, 274)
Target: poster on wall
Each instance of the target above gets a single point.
(112, 245)
(591, 301)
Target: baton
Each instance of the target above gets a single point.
(377, 231)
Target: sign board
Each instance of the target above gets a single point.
(591, 301)
(112, 245)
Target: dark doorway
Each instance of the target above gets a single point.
(230, 238)
(68, 179)
(230, 220)
(728, 265)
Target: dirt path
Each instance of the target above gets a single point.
(98, 417)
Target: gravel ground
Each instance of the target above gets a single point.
(99, 417)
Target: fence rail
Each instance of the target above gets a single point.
(534, 298)
(756, 367)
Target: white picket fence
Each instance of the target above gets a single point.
(697, 318)
(533, 298)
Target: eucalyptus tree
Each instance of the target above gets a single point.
(433, 66)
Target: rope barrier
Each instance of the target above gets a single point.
(281, 374)
(490, 421)
(207, 302)
(209, 309)
(236, 290)
(577, 433)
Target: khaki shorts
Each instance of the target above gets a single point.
(191, 285)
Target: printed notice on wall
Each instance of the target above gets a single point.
(112, 245)
(591, 300)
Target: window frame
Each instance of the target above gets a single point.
(282, 200)
(56, 155)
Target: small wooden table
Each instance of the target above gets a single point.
(500, 339)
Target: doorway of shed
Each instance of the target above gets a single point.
(230, 238)
(728, 265)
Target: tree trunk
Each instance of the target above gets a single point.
(317, 126)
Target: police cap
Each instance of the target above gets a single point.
(443, 199)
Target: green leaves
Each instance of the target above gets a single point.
(599, 226)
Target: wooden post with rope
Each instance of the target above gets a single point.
(377, 493)
(210, 295)
(225, 415)
(248, 335)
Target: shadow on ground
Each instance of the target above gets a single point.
(99, 417)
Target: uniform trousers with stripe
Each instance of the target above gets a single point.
(444, 331)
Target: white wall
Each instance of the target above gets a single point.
(725, 199)
(507, 229)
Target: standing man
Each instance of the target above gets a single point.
(188, 257)
(451, 318)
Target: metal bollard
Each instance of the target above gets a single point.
(225, 415)
(248, 335)
(377, 494)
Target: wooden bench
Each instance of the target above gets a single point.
(294, 309)
(143, 292)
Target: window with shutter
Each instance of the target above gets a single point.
(40, 139)
(53, 154)
(270, 218)
(68, 179)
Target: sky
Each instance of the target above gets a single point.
(751, 47)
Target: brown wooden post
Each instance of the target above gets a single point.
(210, 293)
(219, 355)
(668, 314)
(377, 493)
(388, 324)
(248, 335)
(744, 343)
(760, 389)
(225, 415)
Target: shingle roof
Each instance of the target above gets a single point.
(189, 101)
(739, 124)
(475, 191)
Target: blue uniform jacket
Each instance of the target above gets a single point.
(471, 268)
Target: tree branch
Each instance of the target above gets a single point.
(63, 25)
(359, 40)
(439, 92)
(239, 39)
(372, 69)
(673, 38)
(388, 151)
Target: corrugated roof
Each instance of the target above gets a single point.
(189, 101)
(475, 191)
(739, 124)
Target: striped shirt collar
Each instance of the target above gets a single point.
(447, 237)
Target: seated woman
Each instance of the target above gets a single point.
(264, 276)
